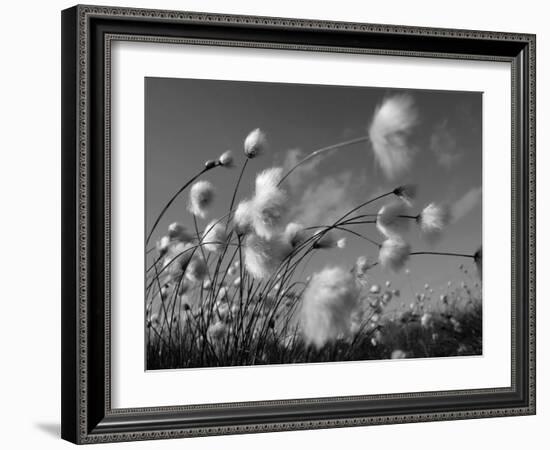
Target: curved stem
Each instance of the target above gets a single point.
(235, 191)
(359, 235)
(323, 150)
(462, 255)
(178, 192)
(372, 200)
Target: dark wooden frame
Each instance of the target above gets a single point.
(87, 32)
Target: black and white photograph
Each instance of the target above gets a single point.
(303, 223)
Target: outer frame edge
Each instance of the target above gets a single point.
(82, 13)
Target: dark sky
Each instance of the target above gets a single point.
(190, 121)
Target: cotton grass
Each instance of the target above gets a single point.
(178, 232)
(201, 197)
(255, 143)
(269, 205)
(394, 254)
(328, 239)
(328, 303)
(390, 221)
(196, 269)
(214, 236)
(242, 286)
(433, 219)
(226, 159)
(294, 233)
(389, 131)
(262, 257)
(242, 217)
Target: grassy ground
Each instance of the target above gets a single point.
(450, 330)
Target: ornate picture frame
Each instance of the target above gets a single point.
(88, 33)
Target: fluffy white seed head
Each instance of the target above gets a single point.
(263, 256)
(294, 233)
(216, 331)
(255, 143)
(329, 302)
(201, 197)
(390, 221)
(242, 217)
(162, 245)
(426, 320)
(327, 239)
(362, 265)
(176, 259)
(389, 133)
(268, 179)
(214, 236)
(394, 253)
(226, 159)
(406, 193)
(269, 208)
(196, 269)
(433, 220)
(178, 232)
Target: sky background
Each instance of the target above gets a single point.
(190, 121)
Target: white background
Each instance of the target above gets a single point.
(30, 189)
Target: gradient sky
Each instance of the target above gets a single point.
(190, 121)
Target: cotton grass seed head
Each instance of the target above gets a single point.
(178, 232)
(210, 164)
(327, 239)
(201, 197)
(362, 265)
(262, 256)
(196, 269)
(406, 193)
(226, 159)
(214, 236)
(269, 208)
(390, 221)
(328, 304)
(433, 219)
(294, 233)
(389, 131)
(255, 143)
(268, 179)
(426, 320)
(176, 259)
(394, 253)
(162, 245)
(216, 331)
(242, 217)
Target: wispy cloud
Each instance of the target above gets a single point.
(466, 203)
(325, 201)
(444, 145)
(304, 172)
(389, 133)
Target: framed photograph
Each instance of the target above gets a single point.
(279, 224)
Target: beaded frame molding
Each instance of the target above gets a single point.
(87, 35)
